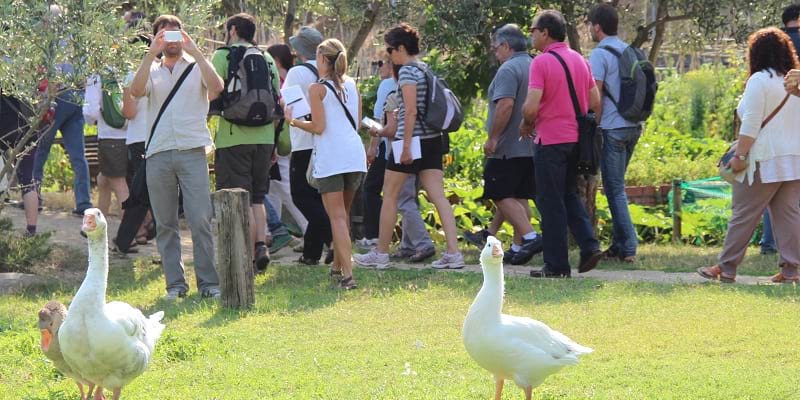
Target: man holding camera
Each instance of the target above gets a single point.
(176, 150)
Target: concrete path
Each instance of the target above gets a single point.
(66, 229)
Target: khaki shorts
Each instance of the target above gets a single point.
(113, 157)
(346, 182)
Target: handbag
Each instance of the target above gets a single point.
(589, 140)
(138, 193)
(725, 171)
(312, 181)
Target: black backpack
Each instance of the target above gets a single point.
(638, 84)
(249, 98)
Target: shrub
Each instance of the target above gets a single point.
(17, 252)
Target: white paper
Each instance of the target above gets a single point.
(293, 97)
(397, 149)
(371, 123)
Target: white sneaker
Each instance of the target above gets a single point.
(366, 244)
(449, 261)
(372, 259)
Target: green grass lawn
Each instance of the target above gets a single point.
(399, 337)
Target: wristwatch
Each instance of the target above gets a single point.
(742, 157)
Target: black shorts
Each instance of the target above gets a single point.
(431, 158)
(113, 157)
(244, 166)
(510, 178)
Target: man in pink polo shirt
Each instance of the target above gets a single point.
(548, 109)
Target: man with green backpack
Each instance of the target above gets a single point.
(248, 107)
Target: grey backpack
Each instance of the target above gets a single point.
(249, 98)
(638, 84)
(443, 111)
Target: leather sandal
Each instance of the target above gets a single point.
(780, 278)
(348, 283)
(715, 273)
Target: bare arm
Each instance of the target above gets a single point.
(502, 115)
(598, 109)
(594, 101)
(316, 92)
(139, 84)
(128, 104)
(213, 82)
(530, 111)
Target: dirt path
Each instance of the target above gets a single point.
(66, 229)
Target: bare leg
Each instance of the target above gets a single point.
(498, 388)
(497, 221)
(98, 393)
(83, 394)
(392, 183)
(342, 247)
(103, 193)
(258, 223)
(528, 392)
(432, 181)
(117, 392)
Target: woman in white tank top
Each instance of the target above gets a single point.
(339, 161)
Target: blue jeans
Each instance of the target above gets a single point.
(618, 145)
(767, 240)
(556, 170)
(68, 120)
(274, 223)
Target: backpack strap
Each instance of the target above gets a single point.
(166, 103)
(420, 114)
(346, 111)
(572, 93)
(617, 54)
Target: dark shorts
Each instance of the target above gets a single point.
(244, 166)
(431, 158)
(346, 182)
(511, 178)
(113, 157)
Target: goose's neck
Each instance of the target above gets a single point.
(92, 292)
(489, 303)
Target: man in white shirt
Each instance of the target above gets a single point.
(176, 153)
(305, 197)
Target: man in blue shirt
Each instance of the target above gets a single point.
(619, 135)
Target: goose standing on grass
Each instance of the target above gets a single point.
(509, 347)
(51, 316)
(108, 344)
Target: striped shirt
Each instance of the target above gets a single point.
(410, 75)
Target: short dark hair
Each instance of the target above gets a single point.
(554, 22)
(403, 34)
(166, 19)
(791, 13)
(606, 16)
(282, 54)
(245, 26)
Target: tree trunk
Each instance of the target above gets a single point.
(288, 24)
(587, 190)
(658, 38)
(370, 16)
(234, 248)
(574, 37)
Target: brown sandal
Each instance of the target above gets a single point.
(348, 283)
(780, 278)
(335, 274)
(714, 273)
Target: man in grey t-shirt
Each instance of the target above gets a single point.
(508, 174)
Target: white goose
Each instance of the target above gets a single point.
(108, 344)
(51, 316)
(509, 347)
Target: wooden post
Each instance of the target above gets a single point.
(676, 210)
(234, 250)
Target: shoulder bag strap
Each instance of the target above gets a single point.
(572, 94)
(166, 102)
(346, 111)
(769, 117)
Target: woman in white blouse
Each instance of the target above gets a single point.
(766, 160)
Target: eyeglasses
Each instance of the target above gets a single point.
(497, 46)
(390, 49)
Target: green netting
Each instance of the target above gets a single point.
(709, 188)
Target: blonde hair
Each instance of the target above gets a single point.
(334, 51)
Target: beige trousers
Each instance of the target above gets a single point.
(749, 202)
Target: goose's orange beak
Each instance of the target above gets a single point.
(46, 338)
(89, 223)
(497, 251)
